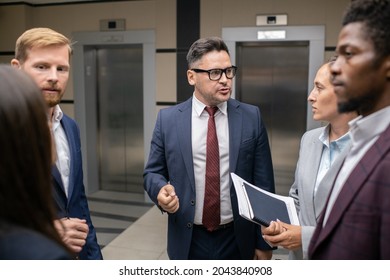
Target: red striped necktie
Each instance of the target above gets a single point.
(211, 208)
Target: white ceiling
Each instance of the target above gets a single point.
(37, 2)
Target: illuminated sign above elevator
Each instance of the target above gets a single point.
(271, 35)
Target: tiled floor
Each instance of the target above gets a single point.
(114, 212)
(143, 240)
(128, 228)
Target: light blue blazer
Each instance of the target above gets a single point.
(309, 207)
(170, 159)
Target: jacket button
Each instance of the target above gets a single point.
(189, 225)
(192, 202)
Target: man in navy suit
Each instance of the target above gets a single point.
(44, 54)
(174, 176)
(356, 220)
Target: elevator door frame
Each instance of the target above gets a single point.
(85, 97)
(315, 35)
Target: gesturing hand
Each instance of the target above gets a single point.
(167, 199)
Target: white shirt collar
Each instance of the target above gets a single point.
(340, 142)
(57, 117)
(366, 128)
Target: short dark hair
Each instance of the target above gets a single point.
(375, 15)
(203, 46)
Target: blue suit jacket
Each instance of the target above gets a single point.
(76, 205)
(170, 159)
(19, 243)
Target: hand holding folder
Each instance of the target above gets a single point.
(262, 207)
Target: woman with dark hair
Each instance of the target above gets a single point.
(26, 205)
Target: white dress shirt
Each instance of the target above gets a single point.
(199, 138)
(62, 147)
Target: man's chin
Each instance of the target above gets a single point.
(51, 103)
(224, 97)
(347, 106)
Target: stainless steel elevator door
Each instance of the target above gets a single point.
(120, 117)
(273, 76)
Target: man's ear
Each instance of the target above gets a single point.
(15, 63)
(191, 77)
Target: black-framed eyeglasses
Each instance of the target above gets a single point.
(216, 74)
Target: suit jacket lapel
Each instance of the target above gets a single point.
(184, 126)
(327, 182)
(312, 163)
(235, 128)
(58, 192)
(355, 181)
(57, 177)
(184, 133)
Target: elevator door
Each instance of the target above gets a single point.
(120, 117)
(273, 76)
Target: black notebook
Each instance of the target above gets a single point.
(260, 206)
(266, 208)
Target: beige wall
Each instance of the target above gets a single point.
(160, 15)
(216, 14)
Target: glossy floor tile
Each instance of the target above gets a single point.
(128, 228)
(114, 212)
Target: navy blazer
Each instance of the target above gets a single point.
(18, 243)
(76, 205)
(170, 160)
(358, 226)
